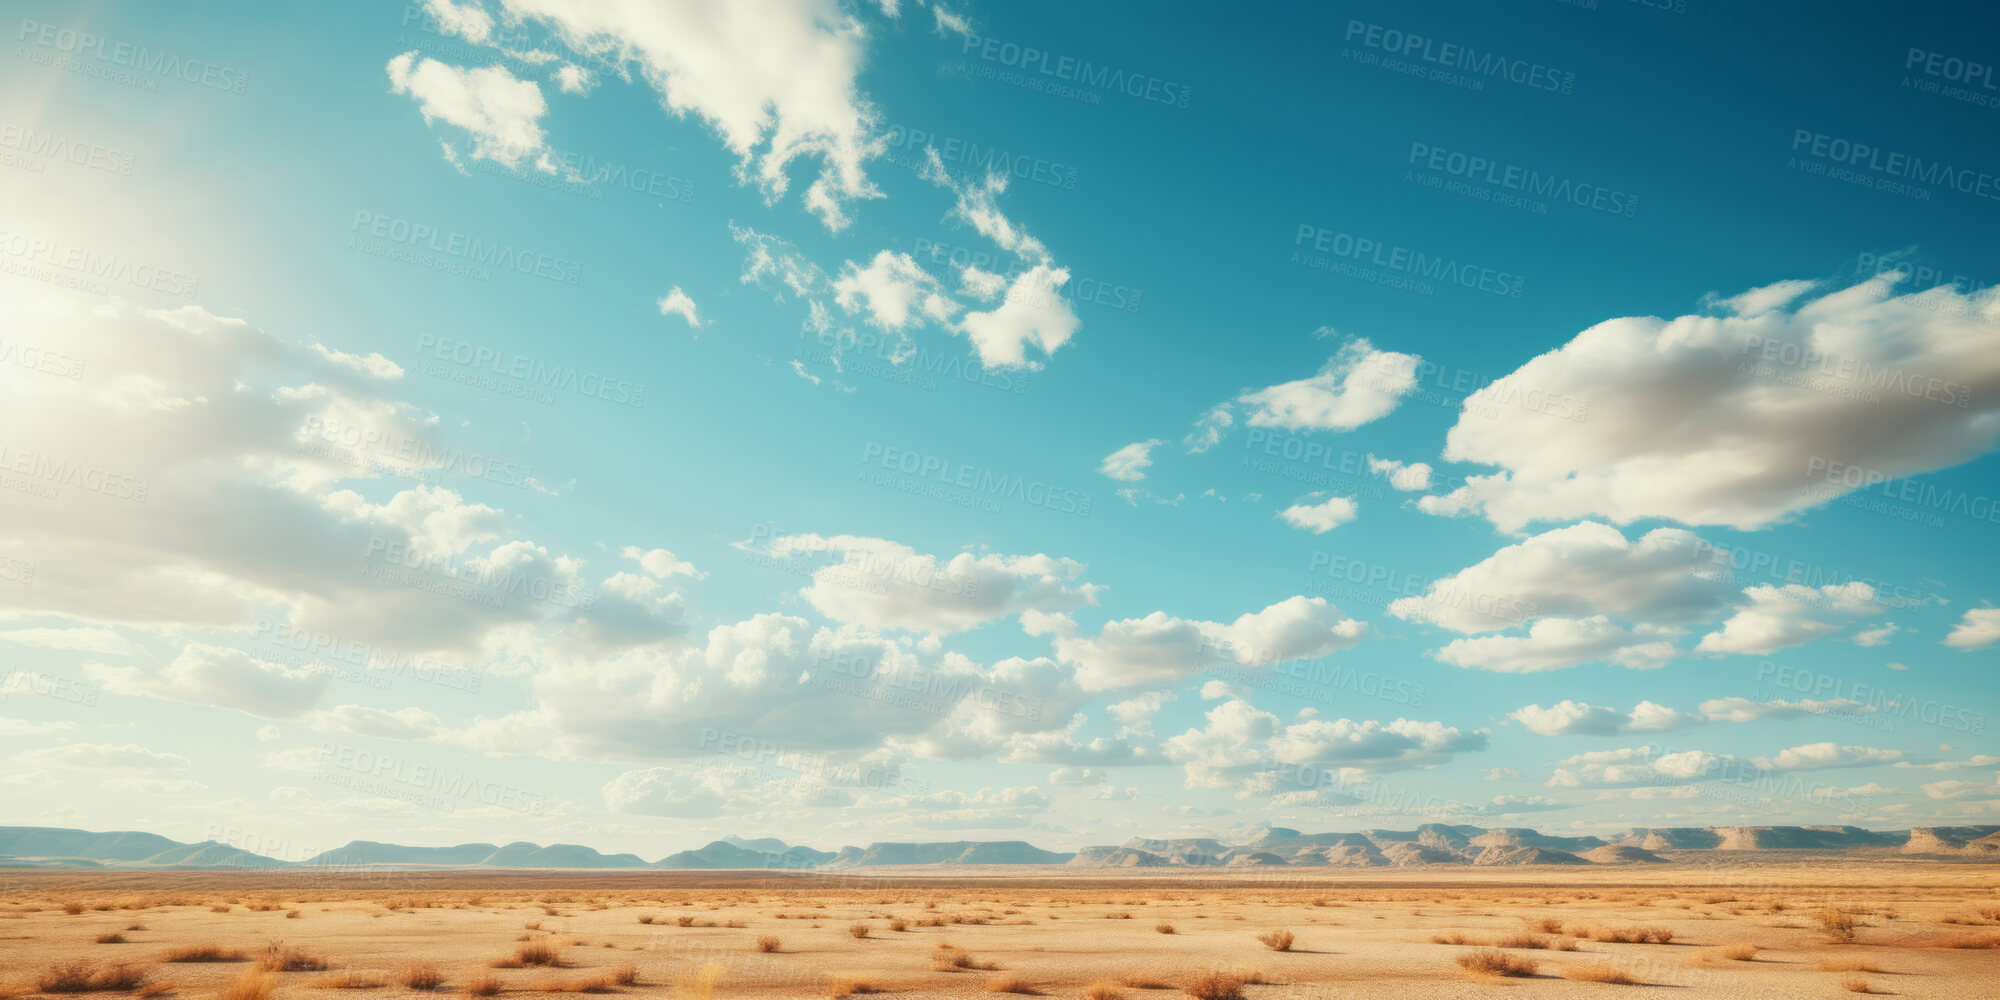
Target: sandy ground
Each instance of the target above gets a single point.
(1361, 935)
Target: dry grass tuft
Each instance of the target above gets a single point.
(421, 976)
(1856, 984)
(768, 943)
(858, 930)
(625, 975)
(1740, 952)
(81, 975)
(1103, 989)
(1141, 981)
(482, 986)
(348, 979)
(1215, 985)
(1488, 962)
(1011, 984)
(851, 987)
(281, 959)
(111, 939)
(1277, 940)
(1838, 923)
(1164, 928)
(202, 953)
(253, 984)
(1598, 974)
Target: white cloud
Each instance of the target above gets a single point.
(1322, 517)
(1816, 756)
(372, 364)
(1782, 617)
(1414, 477)
(1979, 629)
(1247, 749)
(501, 112)
(893, 290)
(1033, 312)
(661, 564)
(1560, 643)
(677, 303)
(1160, 647)
(1877, 636)
(221, 678)
(102, 641)
(408, 723)
(1359, 384)
(1128, 464)
(774, 79)
(884, 584)
(1891, 385)
(1209, 429)
(1136, 713)
(574, 79)
(103, 756)
(1736, 709)
(1566, 718)
(1667, 577)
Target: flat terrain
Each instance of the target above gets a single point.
(1753, 930)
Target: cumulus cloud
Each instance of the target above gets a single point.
(893, 291)
(1128, 464)
(409, 723)
(1032, 313)
(1560, 643)
(1209, 429)
(773, 79)
(1817, 756)
(883, 584)
(220, 677)
(1736, 709)
(1635, 766)
(1160, 647)
(1250, 750)
(1782, 617)
(1566, 718)
(1893, 385)
(500, 112)
(678, 303)
(1319, 518)
(1414, 477)
(1359, 384)
(1979, 629)
(1669, 576)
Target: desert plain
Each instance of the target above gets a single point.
(1775, 929)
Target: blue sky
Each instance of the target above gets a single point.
(844, 494)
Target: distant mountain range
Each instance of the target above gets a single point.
(1430, 844)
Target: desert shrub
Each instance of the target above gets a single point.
(111, 939)
(858, 930)
(1838, 923)
(202, 953)
(851, 987)
(1855, 984)
(1215, 985)
(899, 924)
(482, 986)
(420, 976)
(767, 943)
(348, 979)
(1277, 940)
(1740, 952)
(281, 959)
(253, 984)
(1489, 962)
(1598, 974)
(1101, 990)
(1010, 984)
(1164, 928)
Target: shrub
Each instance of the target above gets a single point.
(1276, 940)
(1141, 981)
(202, 953)
(1740, 952)
(537, 953)
(851, 987)
(421, 976)
(1855, 984)
(1838, 924)
(111, 939)
(1011, 984)
(347, 979)
(73, 976)
(625, 975)
(253, 984)
(281, 959)
(1101, 990)
(768, 943)
(1215, 985)
(858, 930)
(1489, 962)
(899, 924)
(482, 986)
(1598, 974)
(72, 908)
(646, 918)
(1164, 928)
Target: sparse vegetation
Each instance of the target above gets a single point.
(281, 959)
(1164, 928)
(111, 939)
(768, 943)
(1598, 974)
(420, 976)
(1838, 923)
(1215, 985)
(1102, 990)
(1491, 962)
(81, 975)
(253, 984)
(348, 979)
(482, 986)
(1277, 940)
(857, 930)
(202, 953)
(1856, 984)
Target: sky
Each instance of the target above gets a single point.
(632, 424)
